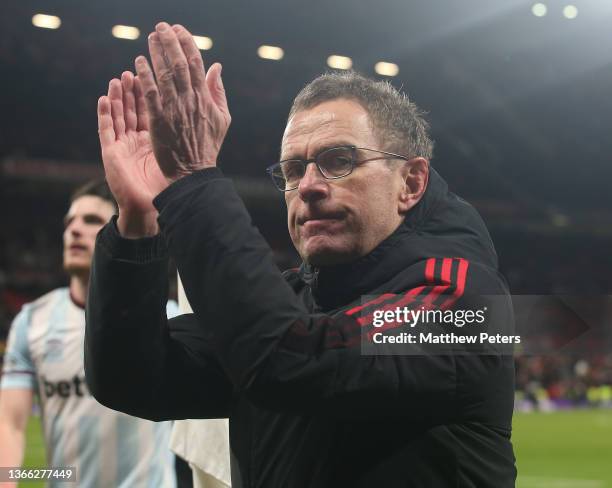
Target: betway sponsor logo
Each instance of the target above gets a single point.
(65, 389)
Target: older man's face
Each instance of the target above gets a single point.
(335, 221)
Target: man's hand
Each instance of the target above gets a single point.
(188, 113)
(131, 169)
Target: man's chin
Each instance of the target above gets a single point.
(326, 254)
(76, 268)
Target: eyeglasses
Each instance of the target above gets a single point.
(332, 163)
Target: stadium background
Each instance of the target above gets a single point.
(519, 96)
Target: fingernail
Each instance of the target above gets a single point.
(162, 27)
(140, 60)
(153, 37)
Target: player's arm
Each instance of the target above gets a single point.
(17, 387)
(15, 408)
(136, 360)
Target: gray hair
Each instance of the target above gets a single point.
(396, 121)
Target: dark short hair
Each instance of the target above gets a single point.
(96, 188)
(397, 122)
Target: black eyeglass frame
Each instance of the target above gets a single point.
(354, 162)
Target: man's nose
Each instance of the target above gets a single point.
(75, 228)
(313, 185)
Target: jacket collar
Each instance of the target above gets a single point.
(440, 225)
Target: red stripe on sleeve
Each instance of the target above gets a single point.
(447, 264)
(437, 290)
(429, 270)
(460, 288)
(446, 283)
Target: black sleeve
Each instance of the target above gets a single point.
(270, 347)
(137, 361)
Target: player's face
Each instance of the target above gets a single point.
(334, 221)
(86, 216)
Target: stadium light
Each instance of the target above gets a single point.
(203, 42)
(339, 62)
(570, 11)
(46, 21)
(539, 10)
(270, 52)
(386, 69)
(126, 32)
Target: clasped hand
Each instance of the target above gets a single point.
(161, 125)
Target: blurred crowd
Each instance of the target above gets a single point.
(560, 381)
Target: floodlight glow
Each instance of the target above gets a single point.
(126, 32)
(46, 21)
(203, 42)
(386, 69)
(539, 10)
(570, 12)
(270, 52)
(339, 62)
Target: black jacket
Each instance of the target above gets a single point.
(281, 355)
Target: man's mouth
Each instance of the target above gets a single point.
(77, 247)
(319, 221)
(319, 218)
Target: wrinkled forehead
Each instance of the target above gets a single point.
(337, 122)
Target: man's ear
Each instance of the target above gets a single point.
(415, 175)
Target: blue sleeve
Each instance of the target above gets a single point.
(19, 370)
